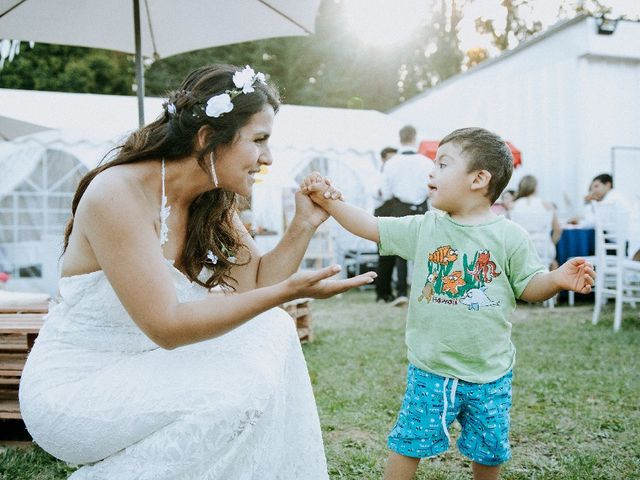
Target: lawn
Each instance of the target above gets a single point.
(576, 412)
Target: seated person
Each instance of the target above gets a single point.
(601, 191)
(527, 201)
(504, 205)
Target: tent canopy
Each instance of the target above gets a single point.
(82, 128)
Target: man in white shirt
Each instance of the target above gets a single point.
(601, 190)
(404, 190)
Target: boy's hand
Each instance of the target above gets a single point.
(576, 274)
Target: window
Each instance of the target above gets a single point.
(36, 210)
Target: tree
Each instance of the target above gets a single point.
(69, 69)
(435, 54)
(516, 28)
(571, 8)
(330, 68)
(475, 56)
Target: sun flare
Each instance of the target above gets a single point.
(384, 23)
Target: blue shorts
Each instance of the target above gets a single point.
(431, 403)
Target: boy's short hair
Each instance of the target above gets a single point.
(485, 151)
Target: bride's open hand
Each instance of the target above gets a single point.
(319, 284)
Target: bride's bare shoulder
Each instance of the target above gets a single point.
(121, 186)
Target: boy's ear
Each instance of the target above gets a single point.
(481, 180)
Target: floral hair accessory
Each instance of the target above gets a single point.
(212, 257)
(218, 104)
(171, 109)
(246, 78)
(244, 81)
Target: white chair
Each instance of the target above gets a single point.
(628, 274)
(616, 275)
(320, 252)
(538, 225)
(627, 288)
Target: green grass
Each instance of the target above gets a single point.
(576, 412)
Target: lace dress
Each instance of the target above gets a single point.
(96, 390)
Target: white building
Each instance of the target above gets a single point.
(568, 98)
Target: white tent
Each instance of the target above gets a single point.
(41, 170)
(568, 99)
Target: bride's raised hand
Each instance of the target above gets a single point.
(319, 284)
(307, 209)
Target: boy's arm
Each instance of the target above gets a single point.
(352, 218)
(576, 274)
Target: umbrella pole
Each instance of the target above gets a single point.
(139, 72)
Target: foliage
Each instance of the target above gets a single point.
(515, 29)
(69, 69)
(575, 414)
(332, 68)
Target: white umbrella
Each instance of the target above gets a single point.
(154, 28)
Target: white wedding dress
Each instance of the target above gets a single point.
(96, 390)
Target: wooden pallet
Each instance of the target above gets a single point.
(41, 308)
(300, 311)
(18, 332)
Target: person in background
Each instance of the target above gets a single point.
(527, 201)
(383, 291)
(404, 189)
(385, 154)
(504, 205)
(601, 191)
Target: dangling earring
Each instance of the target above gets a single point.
(214, 177)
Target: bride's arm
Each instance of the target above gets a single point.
(284, 260)
(116, 224)
(276, 265)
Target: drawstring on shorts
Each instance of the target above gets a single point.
(454, 386)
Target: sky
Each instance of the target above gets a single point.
(383, 22)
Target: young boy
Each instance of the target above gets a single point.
(469, 267)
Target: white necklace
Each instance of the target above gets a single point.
(165, 210)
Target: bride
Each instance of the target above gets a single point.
(165, 357)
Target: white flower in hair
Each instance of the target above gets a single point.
(171, 108)
(244, 81)
(218, 105)
(245, 78)
(212, 257)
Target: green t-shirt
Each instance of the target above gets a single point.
(465, 282)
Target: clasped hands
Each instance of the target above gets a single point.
(319, 188)
(319, 284)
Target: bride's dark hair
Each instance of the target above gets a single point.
(174, 135)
